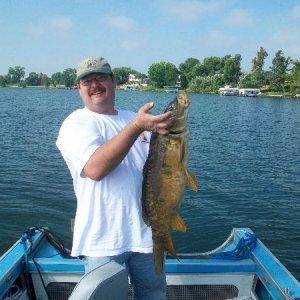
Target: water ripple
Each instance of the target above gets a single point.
(245, 153)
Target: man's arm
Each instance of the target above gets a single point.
(109, 155)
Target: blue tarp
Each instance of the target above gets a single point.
(242, 249)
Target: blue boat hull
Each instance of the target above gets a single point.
(241, 268)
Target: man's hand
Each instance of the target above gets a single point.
(159, 123)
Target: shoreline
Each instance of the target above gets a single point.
(272, 95)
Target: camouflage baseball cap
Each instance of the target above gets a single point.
(93, 65)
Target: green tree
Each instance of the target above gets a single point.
(199, 69)
(162, 74)
(3, 81)
(246, 81)
(206, 84)
(213, 65)
(258, 74)
(138, 74)
(186, 70)
(122, 74)
(22, 84)
(279, 69)
(68, 77)
(16, 74)
(188, 65)
(45, 80)
(295, 76)
(56, 78)
(223, 61)
(33, 79)
(232, 69)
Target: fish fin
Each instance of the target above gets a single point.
(178, 223)
(192, 180)
(159, 248)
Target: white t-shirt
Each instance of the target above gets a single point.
(109, 214)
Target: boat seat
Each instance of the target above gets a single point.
(109, 282)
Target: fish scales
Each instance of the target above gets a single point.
(165, 178)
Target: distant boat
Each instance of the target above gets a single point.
(249, 92)
(171, 88)
(130, 88)
(245, 92)
(228, 91)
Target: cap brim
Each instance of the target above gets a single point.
(93, 71)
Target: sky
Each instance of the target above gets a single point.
(50, 36)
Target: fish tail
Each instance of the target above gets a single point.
(159, 248)
(159, 255)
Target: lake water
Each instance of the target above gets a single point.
(244, 151)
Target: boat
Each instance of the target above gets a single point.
(130, 87)
(248, 92)
(228, 91)
(171, 88)
(38, 266)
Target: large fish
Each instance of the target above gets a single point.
(165, 178)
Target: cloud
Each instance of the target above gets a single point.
(130, 44)
(121, 23)
(239, 17)
(59, 25)
(217, 39)
(288, 40)
(295, 12)
(190, 10)
(131, 37)
(286, 36)
(36, 29)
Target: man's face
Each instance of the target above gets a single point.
(98, 92)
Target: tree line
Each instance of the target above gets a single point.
(193, 75)
(16, 76)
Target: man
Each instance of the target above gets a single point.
(105, 150)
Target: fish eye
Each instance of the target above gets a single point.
(171, 107)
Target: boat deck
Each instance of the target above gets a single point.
(193, 276)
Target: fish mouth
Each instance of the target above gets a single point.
(183, 100)
(180, 103)
(179, 109)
